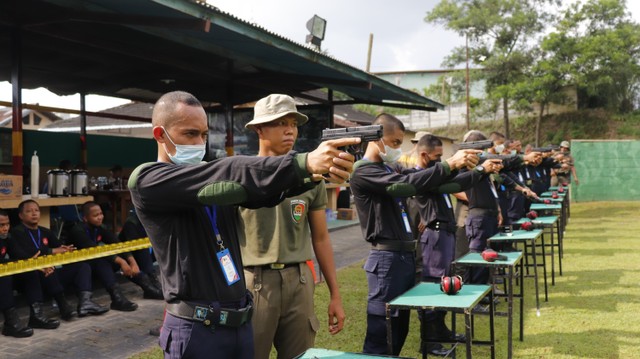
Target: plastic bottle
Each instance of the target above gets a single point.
(35, 175)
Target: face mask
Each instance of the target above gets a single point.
(185, 154)
(390, 155)
(499, 149)
(4, 235)
(513, 152)
(432, 163)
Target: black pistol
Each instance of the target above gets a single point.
(475, 145)
(365, 133)
(546, 149)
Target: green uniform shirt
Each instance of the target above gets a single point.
(280, 234)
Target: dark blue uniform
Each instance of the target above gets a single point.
(182, 209)
(379, 194)
(27, 242)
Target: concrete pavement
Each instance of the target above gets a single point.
(123, 334)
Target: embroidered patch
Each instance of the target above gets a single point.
(297, 209)
(3, 251)
(99, 239)
(45, 241)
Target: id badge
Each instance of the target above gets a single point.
(228, 267)
(446, 198)
(405, 219)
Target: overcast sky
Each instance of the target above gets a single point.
(402, 40)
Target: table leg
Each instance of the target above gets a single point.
(467, 330)
(560, 252)
(553, 259)
(510, 314)
(492, 313)
(521, 300)
(388, 318)
(535, 274)
(544, 269)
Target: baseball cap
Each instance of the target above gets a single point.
(419, 135)
(565, 144)
(274, 107)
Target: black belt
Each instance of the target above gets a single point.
(483, 212)
(445, 226)
(209, 315)
(275, 266)
(395, 246)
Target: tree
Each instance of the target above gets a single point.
(501, 32)
(606, 50)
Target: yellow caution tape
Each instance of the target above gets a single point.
(27, 265)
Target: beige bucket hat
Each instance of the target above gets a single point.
(274, 107)
(419, 135)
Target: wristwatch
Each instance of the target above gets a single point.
(479, 169)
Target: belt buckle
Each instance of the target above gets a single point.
(276, 265)
(200, 314)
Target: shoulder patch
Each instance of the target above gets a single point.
(298, 208)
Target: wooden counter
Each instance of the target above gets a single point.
(45, 203)
(332, 194)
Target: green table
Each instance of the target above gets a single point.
(553, 224)
(562, 197)
(529, 239)
(550, 193)
(317, 353)
(513, 259)
(428, 296)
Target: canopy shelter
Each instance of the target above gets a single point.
(140, 49)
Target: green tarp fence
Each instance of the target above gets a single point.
(608, 170)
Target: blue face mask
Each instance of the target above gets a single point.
(185, 154)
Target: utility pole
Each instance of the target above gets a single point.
(369, 52)
(467, 79)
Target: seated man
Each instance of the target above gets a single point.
(133, 229)
(29, 240)
(91, 233)
(12, 327)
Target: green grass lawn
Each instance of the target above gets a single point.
(593, 310)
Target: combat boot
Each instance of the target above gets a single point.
(66, 310)
(442, 329)
(12, 326)
(150, 291)
(38, 320)
(119, 301)
(88, 307)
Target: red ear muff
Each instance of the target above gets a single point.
(490, 255)
(451, 285)
(527, 226)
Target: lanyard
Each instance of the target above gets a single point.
(403, 212)
(211, 213)
(94, 238)
(39, 242)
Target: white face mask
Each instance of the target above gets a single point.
(185, 154)
(390, 155)
(499, 149)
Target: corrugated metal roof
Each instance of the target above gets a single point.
(140, 49)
